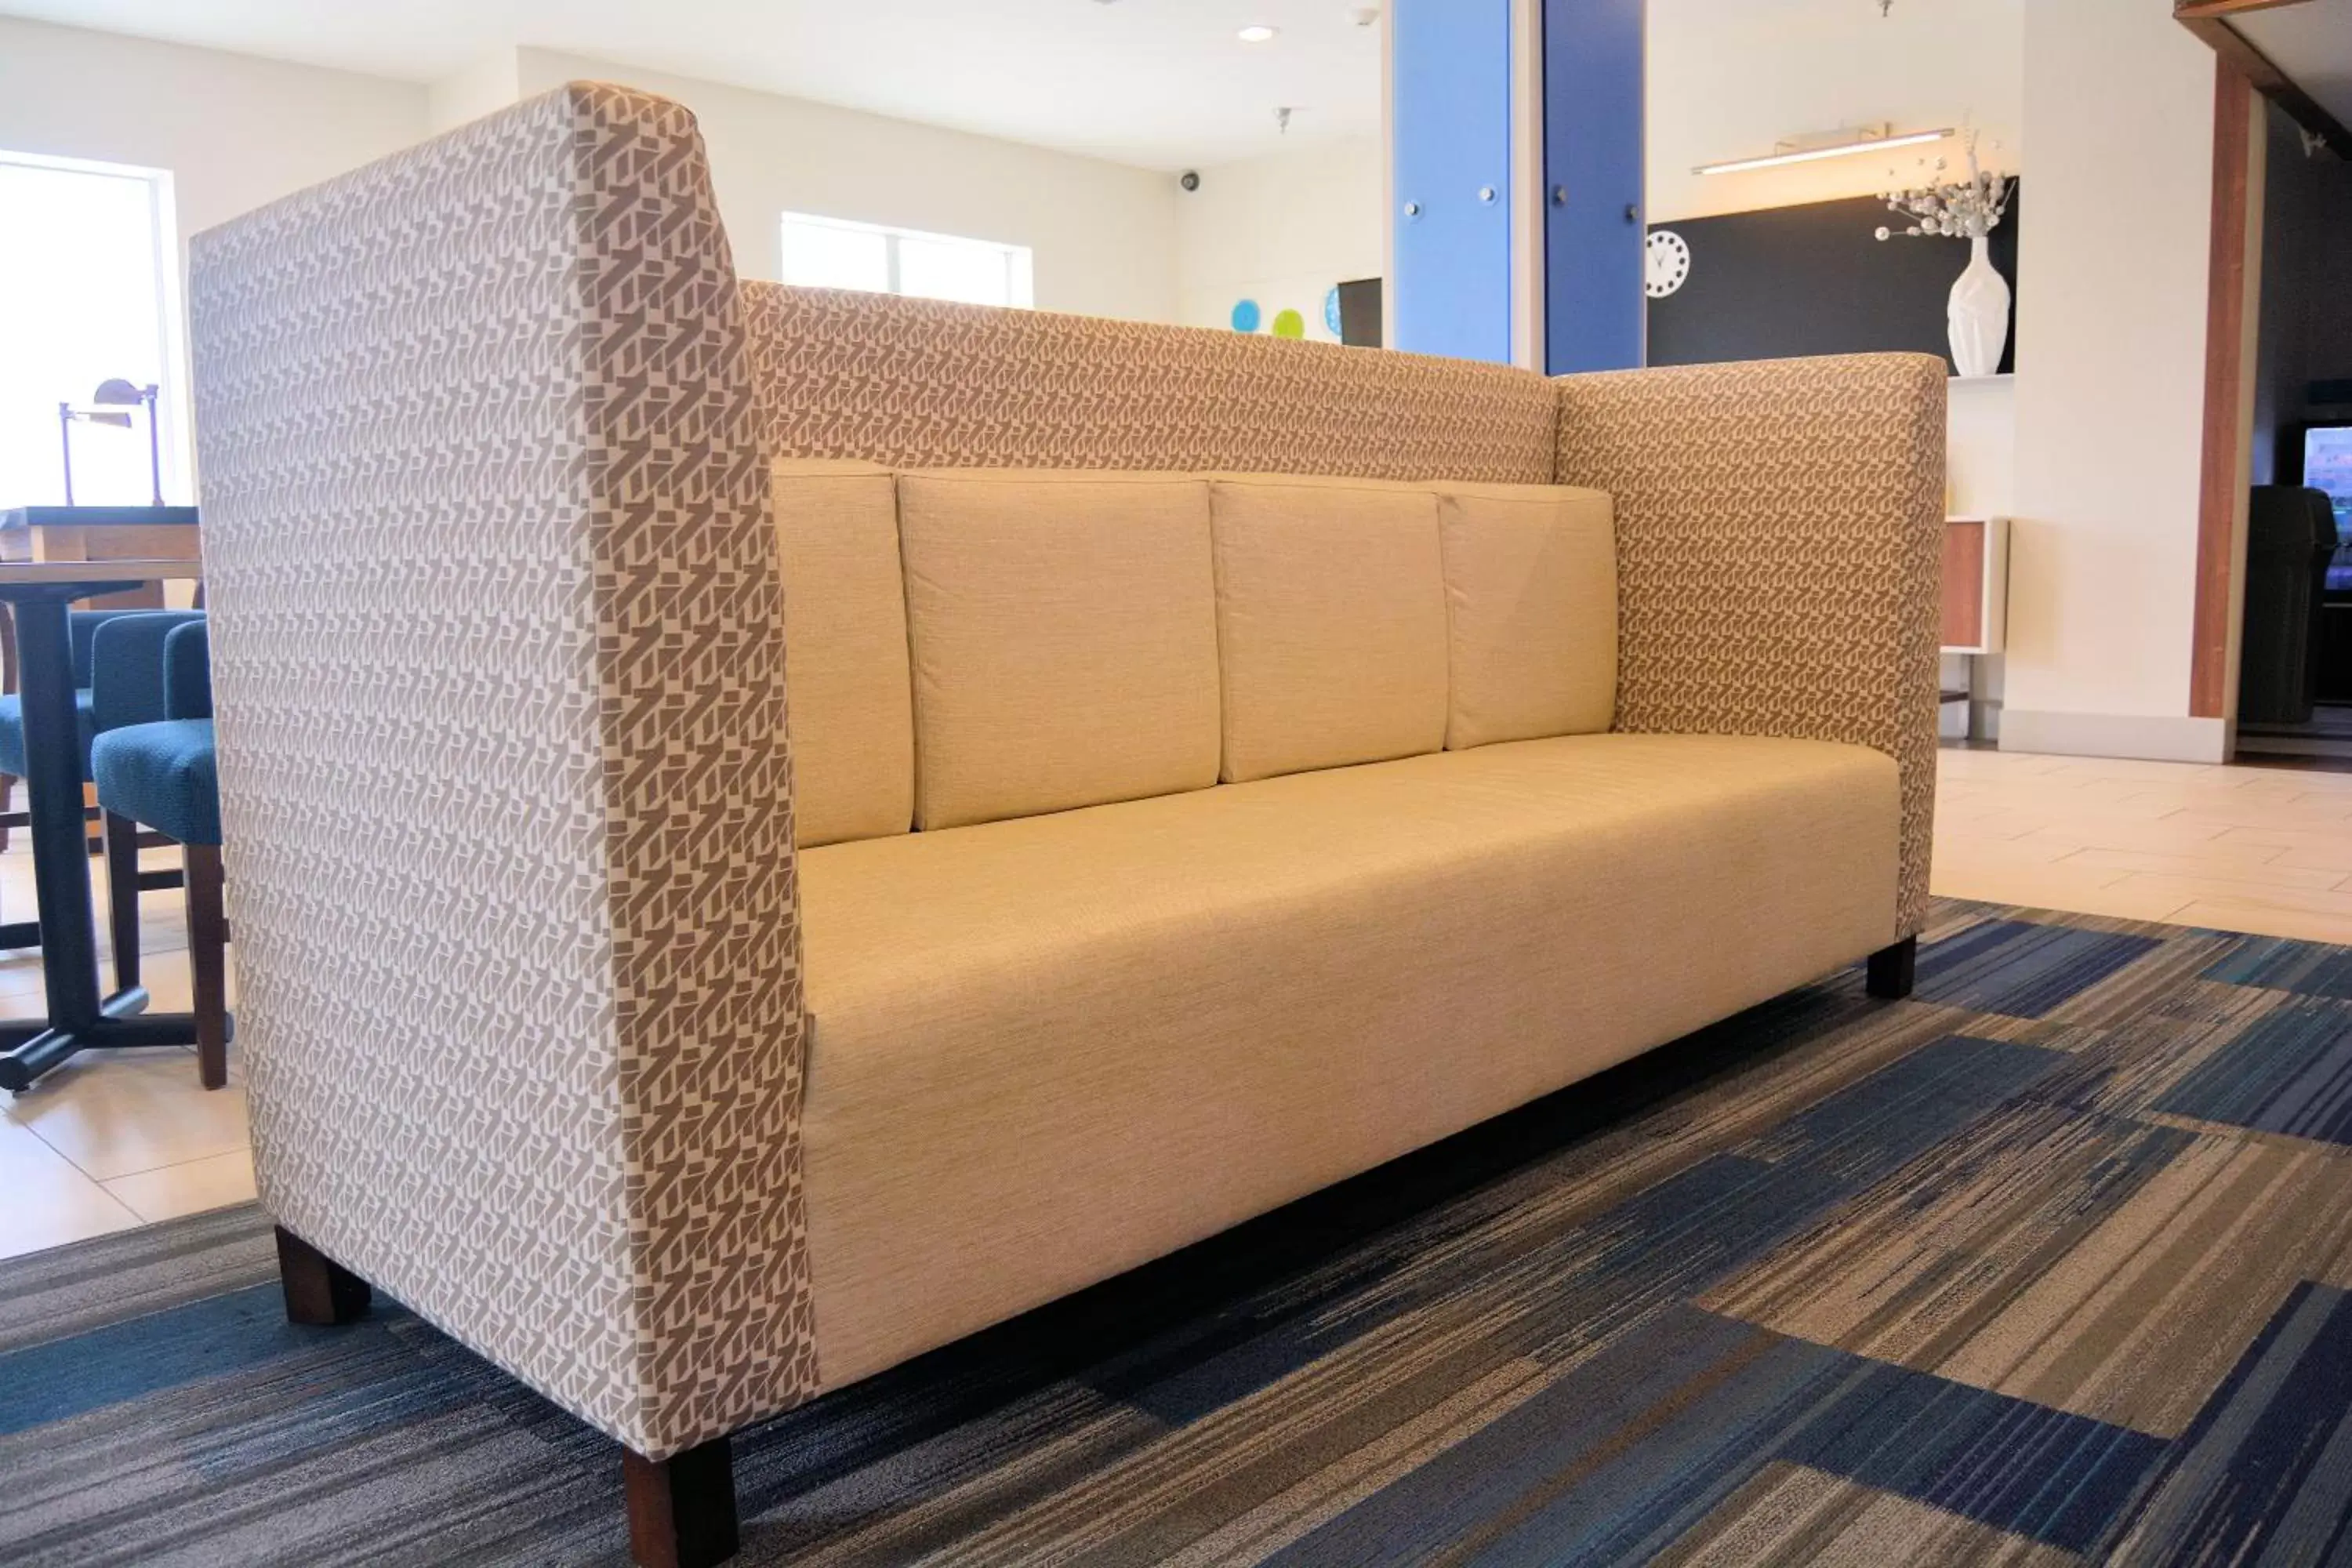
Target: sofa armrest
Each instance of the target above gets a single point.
(1779, 538)
(498, 669)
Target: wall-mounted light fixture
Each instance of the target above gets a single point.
(1828, 144)
(112, 403)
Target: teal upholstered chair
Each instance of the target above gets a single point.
(83, 625)
(118, 661)
(160, 775)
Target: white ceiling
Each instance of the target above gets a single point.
(2313, 44)
(1161, 83)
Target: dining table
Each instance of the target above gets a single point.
(78, 1016)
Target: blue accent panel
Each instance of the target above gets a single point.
(1592, 67)
(1954, 1447)
(236, 1332)
(2274, 964)
(1670, 1240)
(2260, 1474)
(1638, 1444)
(1450, 117)
(2290, 1072)
(2020, 969)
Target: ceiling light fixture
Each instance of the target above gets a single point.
(1803, 150)
(1258, 35)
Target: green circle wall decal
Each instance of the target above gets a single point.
(1289, 324)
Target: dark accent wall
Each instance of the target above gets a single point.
(2302, 362)
(1814, 280)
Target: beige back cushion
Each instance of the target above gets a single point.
(1532, 603)
(1330, 623)
(845, 677)
(1064, 630)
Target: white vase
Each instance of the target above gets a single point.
(1978, 314)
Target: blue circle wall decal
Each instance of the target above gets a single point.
(1332, 314)
(1247, 316)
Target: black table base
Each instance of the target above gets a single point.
(79, 1019)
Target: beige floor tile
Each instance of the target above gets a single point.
(2251, 874)
(2297, 846)
(114, 1113)
(2203, 841)
(46, 1202)
(2088, 889)
(2264, 920)
(192, 1188)
(2200, 889)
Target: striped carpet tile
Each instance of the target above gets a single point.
(2051, 1264)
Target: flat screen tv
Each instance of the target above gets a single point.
(2320, 456)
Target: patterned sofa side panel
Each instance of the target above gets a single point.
(924, 384)
(499, 679)
(1778, 550)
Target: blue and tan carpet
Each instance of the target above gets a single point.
(2051, 1264)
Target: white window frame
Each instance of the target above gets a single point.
(1020, 260)
(175, 434)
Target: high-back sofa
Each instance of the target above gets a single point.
(1221, 764)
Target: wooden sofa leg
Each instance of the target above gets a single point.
(681, 1508)
(318, 1288)
(1892, 970)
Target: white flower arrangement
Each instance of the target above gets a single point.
(1967, 209)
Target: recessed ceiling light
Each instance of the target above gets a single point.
(1258, 35)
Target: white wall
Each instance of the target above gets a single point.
(1280, 230)
(1104, 234)
(1728, 79)
(234, 130)
(2110, 387)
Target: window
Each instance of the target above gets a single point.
(833, 253)
(89, 292)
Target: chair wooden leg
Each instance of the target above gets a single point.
(1892, 969)
(318, 1290)
(207, 939)
(681, 1508)
(122, 897)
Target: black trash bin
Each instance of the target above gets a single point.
(2290, 536)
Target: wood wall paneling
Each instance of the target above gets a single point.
(2221, 490)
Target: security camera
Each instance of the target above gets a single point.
(1189, 179)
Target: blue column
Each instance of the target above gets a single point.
(1594, 310)
(1450, 125)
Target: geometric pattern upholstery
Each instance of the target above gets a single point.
(916, 384)
(1779, 530)
(497, 644)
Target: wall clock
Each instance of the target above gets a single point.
(1667, 264)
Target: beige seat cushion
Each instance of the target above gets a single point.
(1064, 637)
(1531, 610)
(1046, 1050)
(845, 675)
(1330, 623)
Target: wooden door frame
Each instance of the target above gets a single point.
(2222, 476)
(2210, 20)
